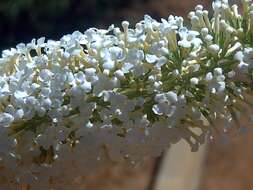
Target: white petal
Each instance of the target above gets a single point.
(171, 96)
(116, 53)
(20, 94)
(184, 43)
(156, 109)
(209, 76)
(243, 67)
(19, 114)
(214, 49)
(218, 71)
(109, 64)
(90, 71)
(194, 81)
(221, 86)
(126, 67)
(86, 86)
(160, 98)
(161, 61)
(119, 74)
(6, 119)
(151, 58)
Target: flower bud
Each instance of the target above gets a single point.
(214, 49)
(194, 81)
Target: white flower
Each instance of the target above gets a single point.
(116, 53)
(199, 7)
(6, 119)
(45, 75)
(103, 83)
(20, 96)
(217, 71)
(204, 32)
(208, 38)
(214, 49)
(45, 91)
(188, 38)
(171, 97)
(209, 76)
(109, 64)
(91, 75)
(86, 86)
(126, 67)
(215, 81)
(139, 70)
(46, 103)
(119, 74)
(134, 56)
(243, 67)
(194, 81)
(76, 92)
(19, 114)
(4, 88)
(160, 98)
(160, 62)
(217, 5)
(165, 104)
(151, 58)
(10, 109)
(231, 74)
(125, 25)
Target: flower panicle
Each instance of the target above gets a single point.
(90, 94)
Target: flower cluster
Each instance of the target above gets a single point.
(122, 93)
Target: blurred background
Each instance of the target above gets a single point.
(22, 20)
(226, 165)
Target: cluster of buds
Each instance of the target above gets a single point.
(122, 93)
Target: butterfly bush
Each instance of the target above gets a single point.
(122, 93)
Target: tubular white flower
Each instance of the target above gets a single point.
(6, 119)
(194, 81)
